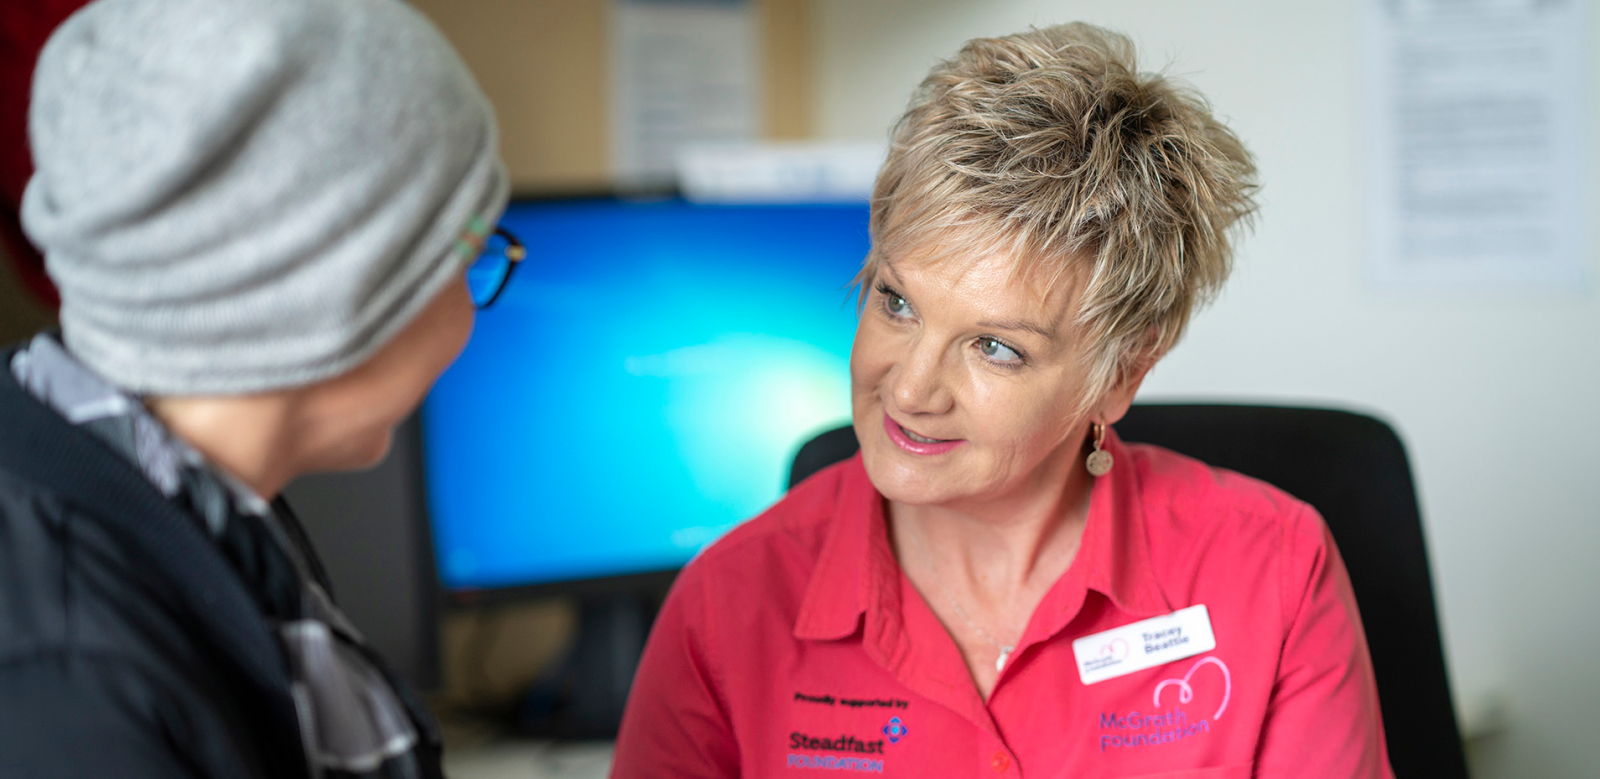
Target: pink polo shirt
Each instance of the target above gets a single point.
(795, 647)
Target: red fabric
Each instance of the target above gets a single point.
(795, 647)
(24, 27)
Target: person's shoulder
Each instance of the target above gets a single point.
(95, 640)
(1214, 533)
(68, 582)
(33, 559)
(1170, 482)
(75, 591)
(1185, 502)
(75, 582)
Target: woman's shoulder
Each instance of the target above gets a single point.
(1215, 535)
(1188, 504)
(1176, 482)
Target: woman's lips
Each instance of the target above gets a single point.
(900, 437)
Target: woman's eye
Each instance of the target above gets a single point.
(998, 352)
(896, 305)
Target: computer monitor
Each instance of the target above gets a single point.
(639, 388)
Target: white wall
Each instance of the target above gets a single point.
(1497, 394)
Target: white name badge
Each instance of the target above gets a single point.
(1144, 644)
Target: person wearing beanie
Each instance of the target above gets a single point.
(259, 215)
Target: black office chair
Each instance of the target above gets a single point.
(1353, 470)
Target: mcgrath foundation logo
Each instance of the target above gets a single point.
(895, 730)
(1117, 649)
(1164, 726)
(1186, 692)
(1110, 654)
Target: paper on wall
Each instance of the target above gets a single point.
(682, 72)
(1476, 115)
(780, 172)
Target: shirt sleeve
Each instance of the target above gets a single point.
(1323, 719)
(676, 722)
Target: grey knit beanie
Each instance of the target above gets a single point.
(243, 195)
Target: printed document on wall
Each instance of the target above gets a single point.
(682, 72)
(1477, 141)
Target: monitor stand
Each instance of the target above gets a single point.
(581, 696)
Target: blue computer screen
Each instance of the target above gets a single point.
(639, 387)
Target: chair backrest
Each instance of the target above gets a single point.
(1353, 470)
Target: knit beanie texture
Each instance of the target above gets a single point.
(243, 195)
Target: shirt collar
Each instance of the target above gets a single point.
(856, 571)
(1114, 556)
(856, 567)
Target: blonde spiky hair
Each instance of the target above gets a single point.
(1050, 147)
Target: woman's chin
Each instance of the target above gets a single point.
(911, 478)
(909, 481)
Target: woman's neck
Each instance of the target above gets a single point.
(983, 567)
(1005, 542)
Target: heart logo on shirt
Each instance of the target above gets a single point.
(1186, 692)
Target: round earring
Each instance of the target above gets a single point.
(1099, 462)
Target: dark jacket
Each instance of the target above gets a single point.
(129, 648)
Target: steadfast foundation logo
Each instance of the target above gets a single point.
(845, 751)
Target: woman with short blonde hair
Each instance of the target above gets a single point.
(1049, 147)
(996, 584)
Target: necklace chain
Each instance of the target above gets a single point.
(927, 559)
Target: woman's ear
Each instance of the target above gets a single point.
(1114, 404)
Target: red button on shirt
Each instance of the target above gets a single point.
(1000, 762)
(795, 646)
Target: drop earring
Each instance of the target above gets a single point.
(1099, 462)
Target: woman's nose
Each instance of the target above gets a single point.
(920, 385)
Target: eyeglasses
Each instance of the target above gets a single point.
(487, 276)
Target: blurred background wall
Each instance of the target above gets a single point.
(20, 313)
(545, 65)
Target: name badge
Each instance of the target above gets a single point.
(1144, 644)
